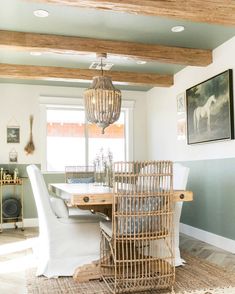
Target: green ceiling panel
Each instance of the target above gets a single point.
(17, 15)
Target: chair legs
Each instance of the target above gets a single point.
(107, 264)
(132, 271)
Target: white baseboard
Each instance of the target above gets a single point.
(28, 222)
(210, 238)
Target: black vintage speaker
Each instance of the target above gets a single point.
(11, 207)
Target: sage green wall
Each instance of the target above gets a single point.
(213, 207)
(213, 185)
(30, 210)
(29, 204)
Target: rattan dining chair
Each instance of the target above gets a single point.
(83, 175)
(143, 212)
(79, 174)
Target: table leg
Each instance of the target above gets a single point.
(177, 213)
(87, 272)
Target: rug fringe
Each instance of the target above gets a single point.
(227, 290)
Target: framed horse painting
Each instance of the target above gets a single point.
(210, 110)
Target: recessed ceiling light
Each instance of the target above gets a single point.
(177, 29)
(141, 62)
(41, 13)
(35, 53)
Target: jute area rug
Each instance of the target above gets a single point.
(197, 277)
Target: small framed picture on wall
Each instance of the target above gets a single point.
(13, 134)
(13, 156)
(180, 100)
(181, 128)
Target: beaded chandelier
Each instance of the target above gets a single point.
(102, 101)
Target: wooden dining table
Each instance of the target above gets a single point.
(92, 195)
(97, 197)
(100, 199)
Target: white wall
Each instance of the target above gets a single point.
(18, 101)
(162, 116)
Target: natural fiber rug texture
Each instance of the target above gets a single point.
(197, 277)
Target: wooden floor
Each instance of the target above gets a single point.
(16, 255)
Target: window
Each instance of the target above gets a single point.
(70, 140)
(113, 140)
(65, 138)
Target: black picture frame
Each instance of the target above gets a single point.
(210, 114)
(13, 134)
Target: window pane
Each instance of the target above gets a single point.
(113, 140)
(65, 138)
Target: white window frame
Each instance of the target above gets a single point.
(68, 103)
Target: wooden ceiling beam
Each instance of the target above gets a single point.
(76, 45)
(32, 72)
(213, 11)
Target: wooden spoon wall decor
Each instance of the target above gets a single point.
(29, 148)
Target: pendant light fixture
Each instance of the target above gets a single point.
(102, 100)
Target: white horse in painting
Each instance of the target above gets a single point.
(201, 112)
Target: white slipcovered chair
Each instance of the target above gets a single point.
(64, 242)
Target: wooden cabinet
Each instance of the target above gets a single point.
(14, 188)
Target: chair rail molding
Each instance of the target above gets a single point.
(28, 223)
